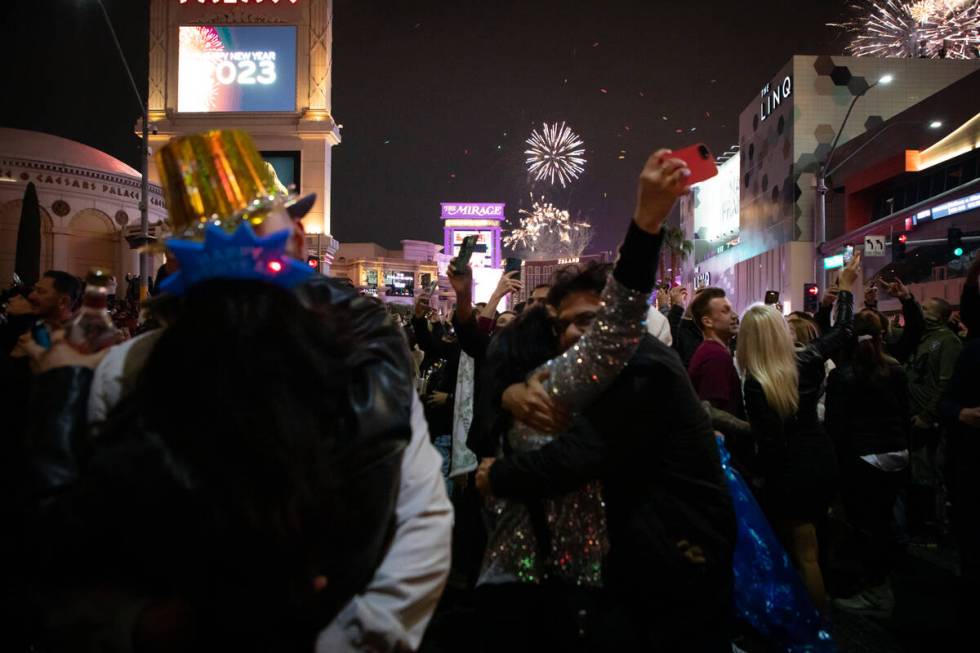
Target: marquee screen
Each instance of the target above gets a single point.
(224, 68)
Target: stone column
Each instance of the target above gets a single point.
(60, 247)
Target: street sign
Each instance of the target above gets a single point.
(874, 245)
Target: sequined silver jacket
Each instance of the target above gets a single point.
(576, 520)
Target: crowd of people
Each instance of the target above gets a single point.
(269, 466)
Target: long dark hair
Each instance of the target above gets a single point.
(245, 394)
(525, 344)
(867, 355)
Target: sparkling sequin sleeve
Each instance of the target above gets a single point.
(581, 374)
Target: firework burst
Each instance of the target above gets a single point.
(547, 232)
(555, 153)
(197, 89)
(925, 28)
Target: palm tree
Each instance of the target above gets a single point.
(27, 259)
(676, 247)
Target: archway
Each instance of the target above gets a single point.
(9, 220)
(94, 243)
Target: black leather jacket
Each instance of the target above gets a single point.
(78, 486)
(774, 435)
(662, 481)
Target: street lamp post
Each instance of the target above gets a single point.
(820, 221)
(144, 159)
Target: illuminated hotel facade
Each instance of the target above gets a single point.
(753, 226)
(261, 66)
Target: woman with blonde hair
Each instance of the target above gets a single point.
(795, 469)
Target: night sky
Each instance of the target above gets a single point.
(437, 98)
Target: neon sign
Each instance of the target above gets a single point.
(772, 97)
(472, 210)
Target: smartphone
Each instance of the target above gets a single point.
(772, 297)
(700, 161)
(512, 265)
(848, 254)
(40, 334)
(466, 249)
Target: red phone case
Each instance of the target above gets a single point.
(701, 168)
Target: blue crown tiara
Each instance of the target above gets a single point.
(239, 255)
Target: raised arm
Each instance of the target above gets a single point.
(509, 283)
(831, 341)
(472, 339)
(915, 322)
(580, 374)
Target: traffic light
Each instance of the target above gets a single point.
(954, 237)
(811, 297)
(898, 246)
(313, 262)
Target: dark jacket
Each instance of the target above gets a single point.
(930, 368)
(444, 357)
(121, 516)
(429, 340)
(472, 339)
(796, 458)
(651, 444)
(867, 414)
(901, 342)
(963, 391)
(687, 337)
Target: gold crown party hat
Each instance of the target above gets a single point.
(217, 177)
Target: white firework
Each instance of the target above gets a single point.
(547, 232)
(555, 153)
(924, 28)
(197, 89)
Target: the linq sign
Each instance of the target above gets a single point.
(773, 96)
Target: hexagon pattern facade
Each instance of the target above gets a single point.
(780, 154)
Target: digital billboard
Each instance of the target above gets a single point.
(716, 210)
(399, 283)
(287, 167)
(235, 68)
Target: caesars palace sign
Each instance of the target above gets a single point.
(69, 181)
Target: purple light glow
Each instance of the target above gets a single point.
(471, 210)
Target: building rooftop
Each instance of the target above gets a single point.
(39, 146)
